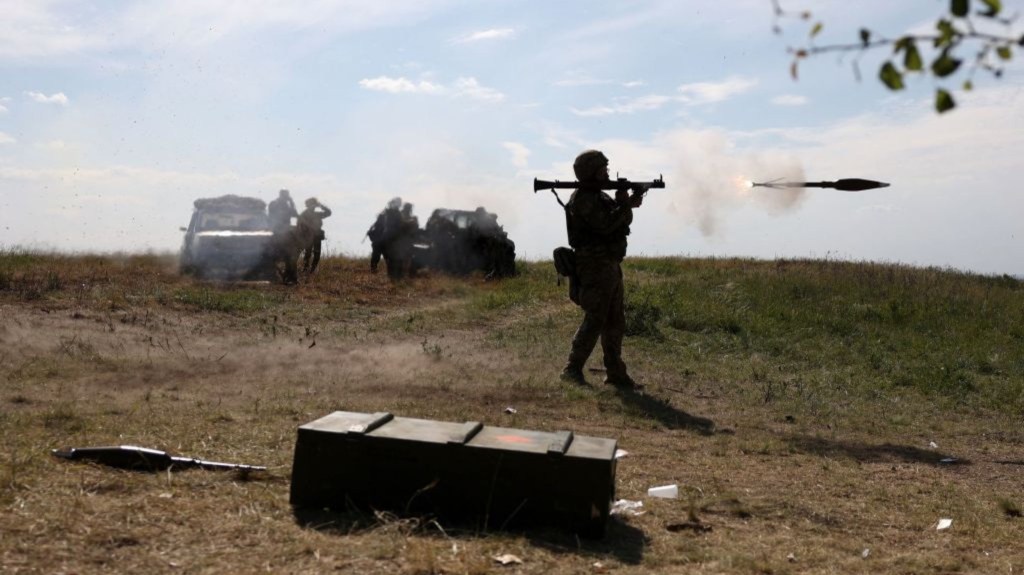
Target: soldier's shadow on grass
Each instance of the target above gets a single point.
(872, 453)
(623, 541)
(661, 409)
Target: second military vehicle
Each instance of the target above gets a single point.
(463, 241)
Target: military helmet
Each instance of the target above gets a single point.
(310, 202)
(588, 165)
(395, 203)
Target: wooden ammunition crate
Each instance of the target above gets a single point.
(492, 477)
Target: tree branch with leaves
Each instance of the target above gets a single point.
(956, 33)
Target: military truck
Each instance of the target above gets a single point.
(228, 237)
(461, 242)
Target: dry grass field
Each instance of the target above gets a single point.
(804, 408)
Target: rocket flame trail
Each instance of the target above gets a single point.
(742, 185)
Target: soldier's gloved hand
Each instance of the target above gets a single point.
(636, 200)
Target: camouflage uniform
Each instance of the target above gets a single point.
(285, 245)
(597, 226)
(280, 213)
(311, 230)
(398, 251)
(383, 231)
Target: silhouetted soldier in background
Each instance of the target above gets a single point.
(384, 230)
(311, 231)
(286, 243)
(598, 225)
(398, 251)
(280, 212)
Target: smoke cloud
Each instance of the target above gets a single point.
(710, 176)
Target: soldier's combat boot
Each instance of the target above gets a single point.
(622, 380)
(572, 374)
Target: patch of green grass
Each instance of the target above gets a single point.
(642, 317)
(16, 258)
(1010, 508)
(229, 300)
(535, 283)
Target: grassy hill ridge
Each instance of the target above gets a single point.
(805, 408)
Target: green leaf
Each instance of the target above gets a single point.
(945, 65)
(817, 28)
(865, 37)
(912, 59)
(946, 33)
(968, 85)
(943, 101)
(1004, 52)
(959, 8)
(891, 77)
(994, 6)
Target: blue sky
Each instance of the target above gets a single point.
(114, 116)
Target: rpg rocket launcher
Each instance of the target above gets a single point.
(616, 184)
(145, 459)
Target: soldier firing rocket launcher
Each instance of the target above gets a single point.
(845, 185)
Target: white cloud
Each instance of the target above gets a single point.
(594, 111)
(492, 34)
(558, 136)
(576, 78)
(46, 29)
(520, 154)
(5, 139)
(689, 95)
(462, 87)
(58, 98)
(400, 85)
(469, 87)
(789, 100)
(41, 29)
(711, 92)
(54, 145)
(628, 106)
(3, 109)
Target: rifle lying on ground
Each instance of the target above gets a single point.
(144, 459)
